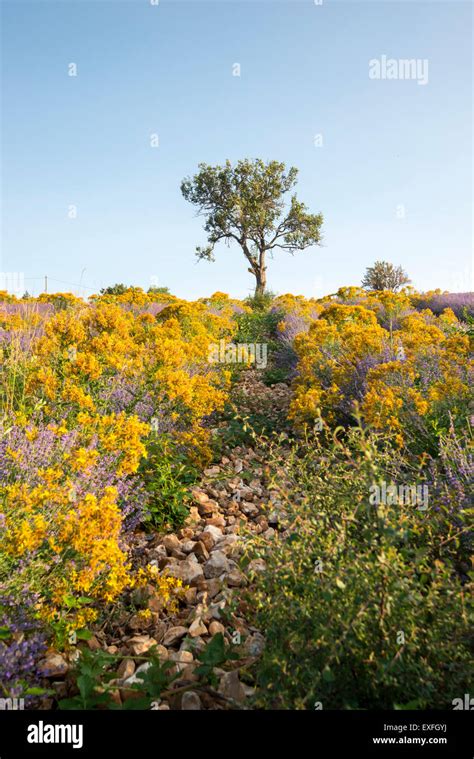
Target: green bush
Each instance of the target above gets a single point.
(360, 603)
(260, 301)
(260, 326)
(166, 476)
(257, 326)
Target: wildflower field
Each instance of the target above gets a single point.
(182, 531)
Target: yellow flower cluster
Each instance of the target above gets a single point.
(63, 546)
(168, 589)
(96, 373)
(86, 350)
(296, 305)
(328, 354)
(409, 377)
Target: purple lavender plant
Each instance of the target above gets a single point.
(22, 645)
(460, 303)
(285, 356)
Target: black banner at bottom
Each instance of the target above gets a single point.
(128, 734)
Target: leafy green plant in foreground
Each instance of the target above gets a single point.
(95, 678)
(216, 654)
(360, 603)
(166, 476)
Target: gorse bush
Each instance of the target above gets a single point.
(361, 603)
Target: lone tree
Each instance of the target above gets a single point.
(245, 203)
(385, 276)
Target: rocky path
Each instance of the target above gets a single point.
(231, 503)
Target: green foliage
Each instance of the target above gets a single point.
(257, 327)
(260, 301)
(117, 289)
(260, 326)
(216, 654)
(95, 676)
(91, 677)
(61, 301)
(242, 429)
(60, 625)
(469, 320)
(360, 603)
(234, 430)
(157, 678)
(275, 374)
(385, 276)
(158, 290)
(166, 475)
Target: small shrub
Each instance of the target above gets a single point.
(166, 476)
(257, 326)
(260, 301)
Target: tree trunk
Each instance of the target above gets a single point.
(261, 275)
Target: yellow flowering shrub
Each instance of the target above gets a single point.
(89, 387)
(410, 377)
(169, 589)
(88, 355)
(60, 545)
(328, 353)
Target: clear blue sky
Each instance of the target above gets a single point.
(167, 69)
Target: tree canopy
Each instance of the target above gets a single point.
(245, 203)
(385, 276)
